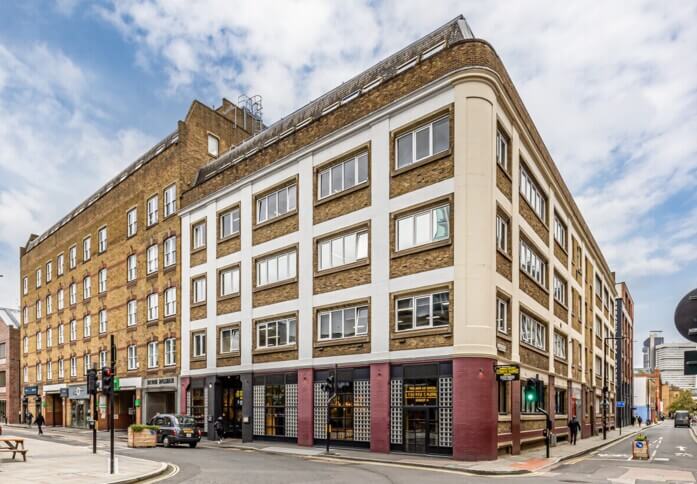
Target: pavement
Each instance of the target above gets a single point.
(53, 462)
(529, 461)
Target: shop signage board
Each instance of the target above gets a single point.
(507, 372)
(78, 392)
(152, 382)
(417, 395)
(32, 390)
(64, 392)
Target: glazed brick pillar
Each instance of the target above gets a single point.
(305, 406)
(475, 415)
(380, 407)
(585, 427)
(183, 385)
(515, 417)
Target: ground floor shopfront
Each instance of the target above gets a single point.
(451, 407)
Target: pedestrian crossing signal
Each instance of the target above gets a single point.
(532, 391)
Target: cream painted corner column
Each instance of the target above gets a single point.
(474, 227)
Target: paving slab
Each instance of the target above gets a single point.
(55, 463)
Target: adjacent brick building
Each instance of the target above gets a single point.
(9, 366)
(406, 231)
(624, 328)
(112, 267)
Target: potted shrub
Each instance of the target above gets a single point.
(640, 447)
(142, 435)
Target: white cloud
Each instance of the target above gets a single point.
(53, 152)
(611, 87)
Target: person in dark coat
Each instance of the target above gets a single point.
(30, 417)
(219, 430)
(40, 422)
(574, 427)
(639, 419)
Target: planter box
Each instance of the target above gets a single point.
(144, 438)
(640, 449)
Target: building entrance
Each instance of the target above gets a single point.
(232, 397)
(80, 413)
(420, 430)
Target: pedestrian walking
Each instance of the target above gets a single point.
(40, 422)
(639, 419)
(30, 417)
(218, 426)
(574, 427)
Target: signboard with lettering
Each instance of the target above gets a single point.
(64, 392)
(78, 392)
(420, 395)
(507, 372)
(620, 404)
(160, 381)
(32, 390)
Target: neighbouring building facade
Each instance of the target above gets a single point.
(649, 349)
(9, 366)
(647, 395)
(112, 266)
(624, 328)
(670, 361)
(406, 231)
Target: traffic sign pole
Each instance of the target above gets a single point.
(111, 407)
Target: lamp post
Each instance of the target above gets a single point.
(605, 383)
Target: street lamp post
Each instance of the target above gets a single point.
(605, 383)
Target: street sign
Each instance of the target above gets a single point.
(117, 384)
(507, 372)
(686, 316)
(691, 363)
(620, 404)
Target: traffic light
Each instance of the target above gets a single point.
(328, 385)
(107, 380)
(533, 391)
(92, 381)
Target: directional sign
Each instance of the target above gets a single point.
(620, 404)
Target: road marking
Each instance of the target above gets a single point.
(681, 448)
(661, 459)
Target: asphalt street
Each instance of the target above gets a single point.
(673, 454)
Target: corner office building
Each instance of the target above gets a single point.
(407, 230)
(112, 267)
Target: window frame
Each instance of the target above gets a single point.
(560, 346)
(152, 217)
(532, 193)
(199, 298)
(276, 322)
(131, 272)
(560, 233)
(502, 225)
(170, 349)
(529, 266)
(231, 212)
(265, 258)
(87, 249)
(503, 146)
(413, 310)
(560, 289)
(195, 244)
(502, 323)
(417, 127)
(102, 281)
(131, 303)
(167, 292)
(153, 313)
(234, 336)
(102, 242)
(209, 138)
(327, 168)
(538, 328)
(328, 239)
(266, 195)
(153, 355)
(166, 210)
(199, 344)
(103, 321)
(72, 256)
(230, 269)
(413, 213)
(331, 312)
(132, 357)
(152, 259)
(172, 240)
(131, 225)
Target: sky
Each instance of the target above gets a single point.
(86, 87)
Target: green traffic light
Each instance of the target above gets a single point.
(530, 396)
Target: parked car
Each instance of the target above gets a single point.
(176, 429)
(682, 418)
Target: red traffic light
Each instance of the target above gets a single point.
(106, 371)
